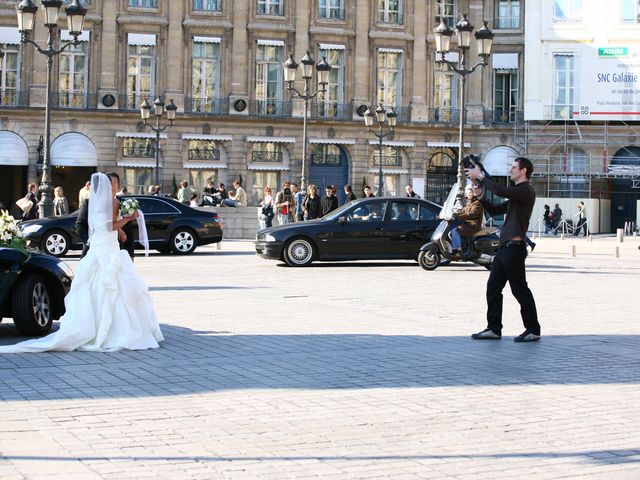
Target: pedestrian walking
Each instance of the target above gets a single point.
(557, 218)
(547, 220)
(582, 220)
(509, 263)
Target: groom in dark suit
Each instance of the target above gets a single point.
(82, 225)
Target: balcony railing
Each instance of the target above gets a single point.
(500, 115)
(214, 106)
(331, 110)
(204, 154)
(325, 159)
(266, 156)
(139, 151)
(270, 108)
(12, 98)
(393, 160)
(134, 101)
(444, 115)
(77, 101)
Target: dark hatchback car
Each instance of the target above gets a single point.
(32, 290)
(365, 229)
(171, 226)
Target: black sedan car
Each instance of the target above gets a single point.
(32, 290)
(171, 226)
(365, 229)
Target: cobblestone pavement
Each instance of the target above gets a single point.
(343, 371)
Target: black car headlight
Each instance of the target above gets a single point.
(30, 229)
(266, 237)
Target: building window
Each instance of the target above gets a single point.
(140, 74)
(389, 78)
(563, 86)
(441, 174)
(73, 77)
(9, 74)
(331, 9)
(508, 14)
(137, 180)
(567, 11)
(326, 154)
(630, 10)
(143, 3)
(198, 179)
(505, 96)
(203, 150)
(391, 184)
(390, 11)
(329, 103)
(270, 7)
(207, 5)
(391, 157)
(266, 152)
(269, 79)
(138, 148)
(445, 97)
(445, 10)
(205, 82)
(263, 179)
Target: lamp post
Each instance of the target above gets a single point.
(484, 38)
(26, 12)
(290, 68)
(380, 116)
(158, 110)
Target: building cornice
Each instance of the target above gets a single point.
(125, 19)
(390, 35)
(271, 27)
(207, 23)
(321, 30)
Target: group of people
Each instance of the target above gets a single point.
(212, 195)
(552, 220)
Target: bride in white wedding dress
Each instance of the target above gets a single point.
(108, 307)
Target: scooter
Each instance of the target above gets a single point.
(481, 248)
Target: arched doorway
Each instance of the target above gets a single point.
(441, 175)
(624, 198)
(14, 161)
(74, 159)
(329, 165)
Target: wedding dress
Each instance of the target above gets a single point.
(108, 307)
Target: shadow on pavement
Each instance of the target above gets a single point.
(196, 361)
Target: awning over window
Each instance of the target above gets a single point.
(504, 61)
(257, 139)
(203, 166)
(146, 163)
(333, 141)
(446, 144)
(207, 39)
(138, 135)
(141, 39)
(498, 161)
(331, 46)
(394, 143)
(10, 35)
(277, 166)
(272, 43)
(390, 171)
(13, 149)
(73, 150)
(202, 136)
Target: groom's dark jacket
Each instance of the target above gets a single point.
(82, 230)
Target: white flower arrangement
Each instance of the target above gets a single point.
(129, 206)
(10, 233)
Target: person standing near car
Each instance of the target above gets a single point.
(60, 204)
(311, 205)
(329, 202)
(348, 190)
(508, 264)
(297, 201)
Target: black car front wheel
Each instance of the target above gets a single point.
(183, 241)
(31, 306)
(55, 243)
(298, 252)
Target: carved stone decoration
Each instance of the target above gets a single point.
(503, 138)
(4, 122)
(73, 124)
(140, 126)
(447, 137)
(206, 128)
(331, 133)
(269, 131)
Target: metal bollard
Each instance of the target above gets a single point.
(219, 246)
(562, 237)
(617, 252)
(590, 238)
(573, 250)
(620, 235)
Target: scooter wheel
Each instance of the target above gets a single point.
(429, 260)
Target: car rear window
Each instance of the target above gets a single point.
(426, 213)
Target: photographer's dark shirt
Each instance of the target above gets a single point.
(518, 207)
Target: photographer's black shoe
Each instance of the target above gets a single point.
(526, 336)
(486, 334)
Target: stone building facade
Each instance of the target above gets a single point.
(221, 63)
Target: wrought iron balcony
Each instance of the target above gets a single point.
(204, 154)
(444, 115)
(331, 110)
(266, 157)
(12, 98)
(214, 106)
(270, 108)
(76, 101)
(325, 159)
(393, 160)
(139, 151)
(500, 115)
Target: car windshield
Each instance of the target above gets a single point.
(338, 212)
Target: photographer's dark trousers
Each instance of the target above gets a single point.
(508, 266)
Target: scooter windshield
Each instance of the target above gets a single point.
(447, 209)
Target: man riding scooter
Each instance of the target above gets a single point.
(473, 215)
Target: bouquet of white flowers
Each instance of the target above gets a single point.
(10, 233)
(129, 206)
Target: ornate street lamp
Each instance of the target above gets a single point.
(380, 116)
(26, 11)
(159, 109)
(290, 69)
(484, 39)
